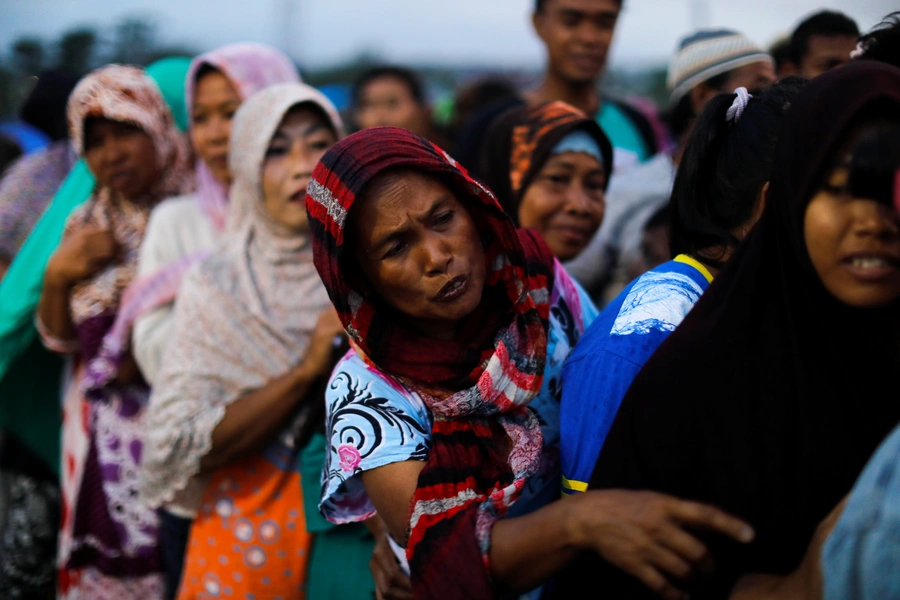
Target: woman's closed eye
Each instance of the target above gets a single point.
(125, 130)
(595, 184)
(320, 145)
(558, 178)
(443, 218)
(277, 150)
(395, 249)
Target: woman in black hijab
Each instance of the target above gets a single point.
(768, 399)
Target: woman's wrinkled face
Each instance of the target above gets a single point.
(418, 248)
(565, 202)
(853, 243)
(301, 139)
(215, 102)
(121, 156)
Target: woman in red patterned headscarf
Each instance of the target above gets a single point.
(445, 417)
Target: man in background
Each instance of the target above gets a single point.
(577, 35)
(820, 42)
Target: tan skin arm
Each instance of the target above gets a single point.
(53, 308)
(643, 533)
(391, 488)
(252, 421)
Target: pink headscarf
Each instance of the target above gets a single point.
(250, 68)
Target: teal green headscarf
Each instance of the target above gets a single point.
(30, 377)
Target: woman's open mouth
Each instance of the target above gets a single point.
(453, 289)
(872, 267)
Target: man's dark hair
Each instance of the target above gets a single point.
(827, 23)
(407, 76)
(781, 52)
(539, 5)
(882, 43)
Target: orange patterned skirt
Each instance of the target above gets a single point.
(249, 540)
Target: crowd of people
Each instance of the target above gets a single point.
(569, 346)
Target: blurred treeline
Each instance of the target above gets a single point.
(136, 40)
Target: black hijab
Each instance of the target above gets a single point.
(769, 398)
(521, 140)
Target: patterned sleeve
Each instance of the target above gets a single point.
(372, 421)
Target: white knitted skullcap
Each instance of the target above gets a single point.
(705, 54)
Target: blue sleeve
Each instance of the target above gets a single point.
(861, 555)
(371, 421)
(593, 385)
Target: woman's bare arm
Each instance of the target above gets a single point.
(251, 421)
(642, 533)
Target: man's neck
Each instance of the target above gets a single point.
(582, 96)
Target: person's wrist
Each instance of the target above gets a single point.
(322, 355)
(574, 529)
(303, 373)
(317, 360)
(56, 278)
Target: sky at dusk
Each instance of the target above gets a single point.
(455, 32)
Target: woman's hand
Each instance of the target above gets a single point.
(318, 359)
(647, 534)
(81, 254)
(252, 421)
(391, 583)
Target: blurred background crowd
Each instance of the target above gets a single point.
(238, 441)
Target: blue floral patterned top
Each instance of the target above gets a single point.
(373, 420)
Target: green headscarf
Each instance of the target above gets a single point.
(30, 376)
